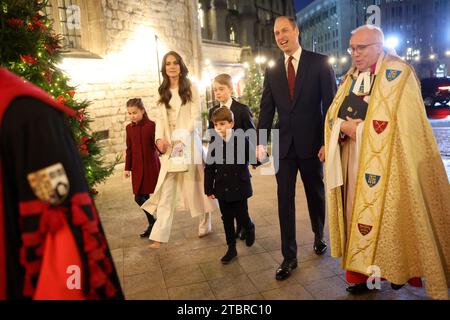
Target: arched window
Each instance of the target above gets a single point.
(232, 35)
(201, 16)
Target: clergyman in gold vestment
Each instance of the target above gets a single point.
(388, 196)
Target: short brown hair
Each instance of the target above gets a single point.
(222, 114)
(291, 20)
(224, 79)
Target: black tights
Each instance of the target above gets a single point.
(140, 199)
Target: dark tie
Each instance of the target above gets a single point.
(291, 77)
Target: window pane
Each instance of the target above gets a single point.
(70, 24)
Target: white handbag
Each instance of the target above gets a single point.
(178, 161)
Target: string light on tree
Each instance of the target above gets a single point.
(29, 48)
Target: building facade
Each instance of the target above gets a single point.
(114, 50)
(248, 23)
(419, 30)
(235, 33)
(325, 27)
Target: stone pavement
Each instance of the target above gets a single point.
(190, 268)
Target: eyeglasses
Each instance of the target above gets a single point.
(359, 48)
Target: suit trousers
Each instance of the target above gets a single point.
(231, 210)
(311, 172)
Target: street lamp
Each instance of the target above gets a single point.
(271, 63)
(432, 56)
(332, 60)
(343, 59)
(447, 53)
(392, 42)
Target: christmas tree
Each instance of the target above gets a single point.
(30, 49)
(253, 81)
(253, 89)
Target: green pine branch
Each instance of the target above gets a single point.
(30, 48)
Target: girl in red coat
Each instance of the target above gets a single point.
(142, 161)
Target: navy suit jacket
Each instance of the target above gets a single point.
(243, 118)
(301, 121)
(228, 181)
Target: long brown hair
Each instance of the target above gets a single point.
(184, 85)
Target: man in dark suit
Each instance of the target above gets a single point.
(300, 87)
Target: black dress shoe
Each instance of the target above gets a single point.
(284, 270)
(397, 286)
(243, 234)
(320, 247)
(358, 288)
(147, 232)
(230, 255)
(250, 235)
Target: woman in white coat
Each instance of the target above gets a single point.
(178, 124)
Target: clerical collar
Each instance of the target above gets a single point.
(364, 79)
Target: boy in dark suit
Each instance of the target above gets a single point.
(243, 119)
(227, 178)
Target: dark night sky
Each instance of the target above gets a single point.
(300, 4)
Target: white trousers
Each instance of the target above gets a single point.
(166, 209)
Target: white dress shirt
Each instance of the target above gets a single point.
(227, 104)
(295, 61)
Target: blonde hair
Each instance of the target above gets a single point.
(224, 79)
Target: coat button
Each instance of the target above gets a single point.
(226, 189)
(224, 174)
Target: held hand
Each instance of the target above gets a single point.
(349, 127)
(261, 153)
(321, 154)
(212, 197)
(127, 174)
(162, 145)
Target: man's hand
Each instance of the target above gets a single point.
(261, 153)
(162, 145)
(321, 154)
(349, 127)
(127, 174)
(211, 196)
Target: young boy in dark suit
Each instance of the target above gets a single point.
(243, 118)
(227, 178)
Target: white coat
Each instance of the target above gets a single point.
(192, 197)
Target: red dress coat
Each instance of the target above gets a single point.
(142, 157)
